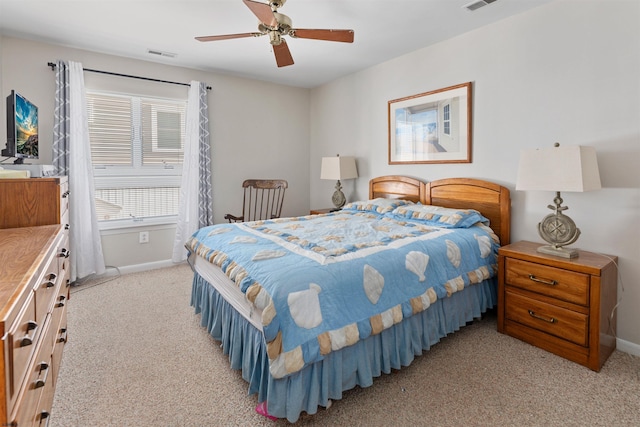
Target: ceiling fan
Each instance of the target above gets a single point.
(277, 25)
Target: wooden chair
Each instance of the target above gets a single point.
(262, 200)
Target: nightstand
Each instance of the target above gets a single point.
(321, 211)
(562, 305)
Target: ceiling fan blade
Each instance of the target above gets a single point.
(227, 37)
(345, 36)
(263, 12)
(282, 54)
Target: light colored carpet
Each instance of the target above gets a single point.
(137, 356)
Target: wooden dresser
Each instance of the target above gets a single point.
(565, 306)
(34, 289)
(34, 201)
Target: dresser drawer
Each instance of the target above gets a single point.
(46, 289)
(59, 316)
(560, 322)
(22, 340)
(38, 390)
(60, 341)
(63, 257)
(562, 284)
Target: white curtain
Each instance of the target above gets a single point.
(195, 210)
(86, 256)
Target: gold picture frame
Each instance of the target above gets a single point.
(431, 127)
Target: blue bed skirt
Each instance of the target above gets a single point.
(342, 370)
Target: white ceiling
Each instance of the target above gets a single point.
(384, 29)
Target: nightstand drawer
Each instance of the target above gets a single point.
(566, 324)
(557, 283)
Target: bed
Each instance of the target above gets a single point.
(312, 306)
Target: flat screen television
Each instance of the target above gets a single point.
(22, 128)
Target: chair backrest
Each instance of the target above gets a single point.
(263, 198)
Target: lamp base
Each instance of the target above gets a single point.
(558, 251)
(559, 230)
(338, 198)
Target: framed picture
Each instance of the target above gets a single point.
(431, 127)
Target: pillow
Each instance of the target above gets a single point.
(379, 205)
(439, 216)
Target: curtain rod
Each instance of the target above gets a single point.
(53, 66)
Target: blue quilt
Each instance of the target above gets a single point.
(324, 282)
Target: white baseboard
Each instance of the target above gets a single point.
(146, 266)
(114, 271)
(628, 347)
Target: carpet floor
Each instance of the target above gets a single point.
(137, 356)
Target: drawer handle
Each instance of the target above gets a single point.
(66, 226)
(537, 316)
(44, 416)
(63, 335)
(49, 285)
(65, 194)
(28, 340)
(61, 299)
(52, 276)
(544, 281)
(64, 253)
(43, 373)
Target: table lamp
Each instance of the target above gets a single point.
(570, 168)
(338, 168)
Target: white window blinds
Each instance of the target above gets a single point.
(110, 129)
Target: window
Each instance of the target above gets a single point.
(446, 123)
(137, 147)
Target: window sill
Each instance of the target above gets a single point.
(124, 224)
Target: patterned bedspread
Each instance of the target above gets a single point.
(324, 282)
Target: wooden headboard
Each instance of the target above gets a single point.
(490, 199)
(397, 187)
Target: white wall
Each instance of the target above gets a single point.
(566, 71)
(249, 138)
(4, 130)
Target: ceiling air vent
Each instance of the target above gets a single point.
(475, 5)
(161, 53)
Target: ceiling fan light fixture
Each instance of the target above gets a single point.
(274, 38)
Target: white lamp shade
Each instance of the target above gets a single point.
(564, 168)
(338, 168)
